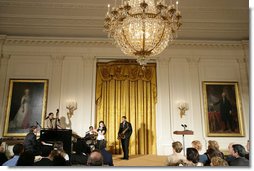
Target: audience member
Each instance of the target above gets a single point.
(26, 159)
(95, 159)
(174, 159)
(197, 145)
(239, 154)
(45, 160)
(211, 152)
(247, 150)
(17, 150)
(107, 156)
(230, 156)
(215, 145)
(192, 157)
(59, 146)
(59, 160)
(3, 157)
(80, 157)
(218, 161)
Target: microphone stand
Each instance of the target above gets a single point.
(184, 129)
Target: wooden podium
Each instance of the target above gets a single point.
(184, 132)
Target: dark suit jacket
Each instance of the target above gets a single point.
(122, 128)
(44, 162)
(107, 157)
(240, 161)
(31, 144)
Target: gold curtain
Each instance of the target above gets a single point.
(125, 89)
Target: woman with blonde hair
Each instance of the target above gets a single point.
(218, 161)
(176, 157)
(198, 146)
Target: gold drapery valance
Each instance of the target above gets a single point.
(125, 89)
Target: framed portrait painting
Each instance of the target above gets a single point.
(26, 105)
(223, 109)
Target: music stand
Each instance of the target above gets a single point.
(184, 132)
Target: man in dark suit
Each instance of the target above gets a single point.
(30, 143)
(226, 112)
(124, 133)
(239, 154)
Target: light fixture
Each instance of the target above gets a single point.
(71, 105)
(183, 107)
(143, 28)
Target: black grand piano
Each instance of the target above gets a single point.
(55, 135)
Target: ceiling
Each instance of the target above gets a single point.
(202, 19)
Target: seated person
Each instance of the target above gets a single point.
(45, 160)
(174, 159)
(218, 161)
(239, 154)
(59, 146)
(80, 156)
(202, 157)
(17, 150)
(26, 159)
(3, 157)
(107, 156)
(192, 157)
(95, 159)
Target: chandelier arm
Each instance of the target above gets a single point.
(160, 39)
(144, 34)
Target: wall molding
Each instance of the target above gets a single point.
(58, 41)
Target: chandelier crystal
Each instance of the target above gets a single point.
(143, 28)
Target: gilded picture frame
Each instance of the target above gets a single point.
(223, 109)
(26, 106)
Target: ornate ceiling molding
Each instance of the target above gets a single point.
(52, 4)
(50, 41)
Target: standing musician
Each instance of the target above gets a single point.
(124, 133)
(51, 122)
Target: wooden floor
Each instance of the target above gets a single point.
(140, 160)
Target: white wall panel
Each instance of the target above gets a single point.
(71, 71)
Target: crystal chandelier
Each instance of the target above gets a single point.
(143, 28)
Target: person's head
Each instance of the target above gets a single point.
(26, 91)
(213, 144)
(239, 150)
(230, 148)
(218, 161)
(26, 159)
(95, 159)
(46, 150)
(58, 146)
(51, 115)
(197, 144)
(211, 152)
(18, 149)
(33, 129)
(177, 146)
(90, 128)
(101, 124)
(192, 155)
(124, 118)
